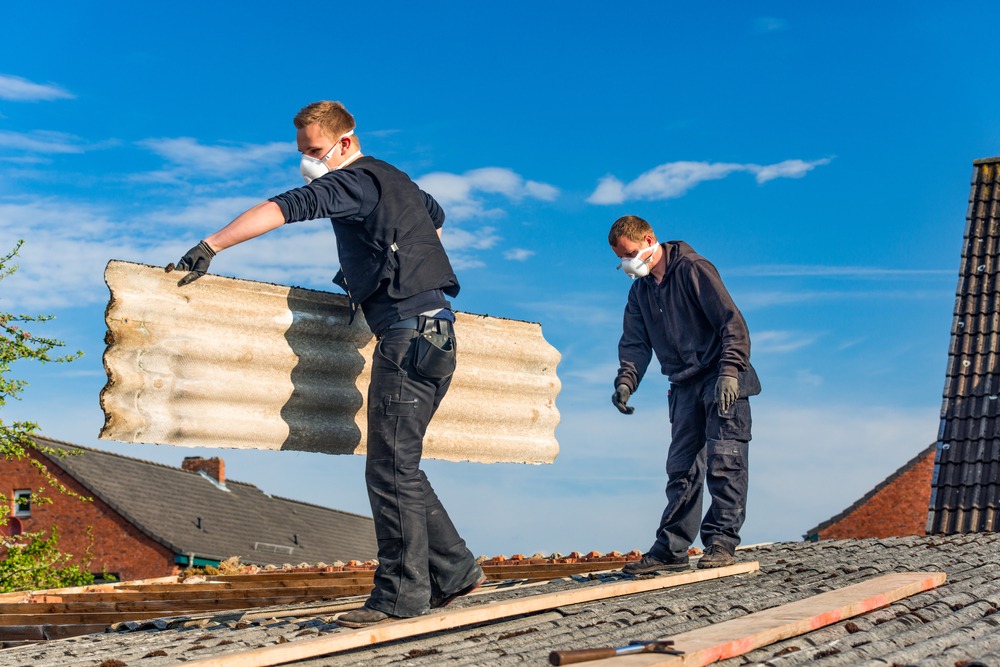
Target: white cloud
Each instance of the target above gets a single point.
(518, 254)
(786, 169)
(675, 179)
(68, 245)
(780, 342)
(461, 245)
(461, 194)
(805, 270)
(63, 258)
(205, 214)
(188, 157)
(609, 191)
(762, 299)
(41, 141)
(805, 461)
(17, 89)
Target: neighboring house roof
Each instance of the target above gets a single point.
(236, 519)
(949, 625)
(909, 499)
(965, 492)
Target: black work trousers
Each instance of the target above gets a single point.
(704, 447)
(420, 552)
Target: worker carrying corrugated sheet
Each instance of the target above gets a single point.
(395, 269)
(679, 309)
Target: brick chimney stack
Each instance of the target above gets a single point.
(214, 467)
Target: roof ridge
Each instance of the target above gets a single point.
(130, 458)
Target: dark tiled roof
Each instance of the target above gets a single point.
(166, 503)
(965, 491)
(812, 533)
(949, 625)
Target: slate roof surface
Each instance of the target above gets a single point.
(965, 491)
(943, 627)
(165, 503)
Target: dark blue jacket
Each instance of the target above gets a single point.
(689, 321)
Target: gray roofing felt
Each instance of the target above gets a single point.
(942, 627)
(965, 493)
(167, 503)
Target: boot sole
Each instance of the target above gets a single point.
(465, 591)
(666, 567)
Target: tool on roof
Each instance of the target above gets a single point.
(583, 655)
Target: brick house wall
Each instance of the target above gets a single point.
(118, 546)
(896, 510)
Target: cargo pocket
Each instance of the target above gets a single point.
(434, 356)
(735, 425)
(396, 407)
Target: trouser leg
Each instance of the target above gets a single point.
(685, 475)
(419, 549)
(727, 472)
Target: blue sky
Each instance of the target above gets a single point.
(819, 154)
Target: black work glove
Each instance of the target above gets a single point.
(195, 262)
(727, 390)
(620, 398)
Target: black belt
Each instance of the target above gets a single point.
(424, 323)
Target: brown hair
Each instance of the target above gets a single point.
(331, 116)
(631, 227)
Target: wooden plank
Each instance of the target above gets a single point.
(741, 635)
(203, 594)
(250, 585)
(343, 640)
(186, 598)
(74, 630)
(499, 572)
(169, 607)
(43, 632)
(290, 576)
(22, 632)
(493, 572)
(24, 595)
(108, 618)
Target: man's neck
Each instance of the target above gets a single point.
(354, 156)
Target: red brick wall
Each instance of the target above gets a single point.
(117, 546)
(897, 510)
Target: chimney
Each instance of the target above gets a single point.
(213, 467)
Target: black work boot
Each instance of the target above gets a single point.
(650, 564)
(362, 618)
(716, 555)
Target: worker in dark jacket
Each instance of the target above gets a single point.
(392, 266)
(679, 309)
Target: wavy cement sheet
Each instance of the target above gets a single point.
(233, 363)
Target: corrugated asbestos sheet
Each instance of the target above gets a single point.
(966, 485)
(233, 363)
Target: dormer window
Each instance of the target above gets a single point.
(22, 502)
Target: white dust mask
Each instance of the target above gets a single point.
(312, 168)
(636, 267)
